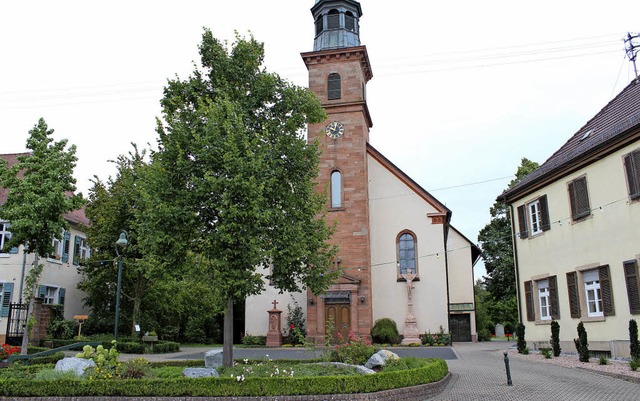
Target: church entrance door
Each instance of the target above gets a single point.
(338, 321)
(460, 328)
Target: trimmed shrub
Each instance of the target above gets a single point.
(130, 348)
(254, 340)
(385, 331)
(522, 344)
(634, 363)
(633, 339)
(582, 345)
(546, 352)
(163, 347)
(555, 338)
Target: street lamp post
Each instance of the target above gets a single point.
(121, 242)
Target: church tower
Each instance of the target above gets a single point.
(339, 70)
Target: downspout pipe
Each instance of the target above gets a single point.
(445, 231)
(515, 262)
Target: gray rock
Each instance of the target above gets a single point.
(75, 365)
(213, 358)
(199, 372)
(380, 358)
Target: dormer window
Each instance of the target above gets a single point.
(333, 19)
(349, 21)
(333, 86)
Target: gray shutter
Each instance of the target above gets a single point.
(65, 246)
(545, 224)
(553, 297)
(528, 296)
(574, 299)
(61, 292)
(632, 167)
(7, 293)
(42, 291)
(633, 287)
(76, 250)
(522, 221)
(607, 293)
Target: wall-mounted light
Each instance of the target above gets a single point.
(362, 299)
(311, 301)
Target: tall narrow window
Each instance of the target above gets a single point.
(333, 86)
(336, 189)
(543, 299)
(632, 168)
(5, 236)
(534, 217)
(333, 19)
(593, 293)
(407, 263)
(349, 21)
(579, 198)
(319, 25)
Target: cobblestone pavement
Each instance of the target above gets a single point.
(479, 373)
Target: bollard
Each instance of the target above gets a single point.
(506, 365)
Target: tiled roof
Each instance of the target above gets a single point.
(614, 121)
(74, 217)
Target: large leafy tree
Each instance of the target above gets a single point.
(497, 251)
(41, 190)
(233, 179)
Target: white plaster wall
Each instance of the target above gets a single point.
(256, 307)
(608, 236)
(394, 207)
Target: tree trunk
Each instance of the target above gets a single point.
(137, 306)
(32, 297)
(227, 341)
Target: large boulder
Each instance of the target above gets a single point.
(213, 358)
(197, 373)
(75, 365)
(380, 358)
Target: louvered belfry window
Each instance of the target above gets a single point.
(632, 168)
(349, 21)
(333, 86)
(333, 19)
(633, 286)
(579, 198)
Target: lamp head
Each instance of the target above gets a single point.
(122, 241)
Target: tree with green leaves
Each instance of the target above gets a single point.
(497, 252)
(41, 191)
(232, 181)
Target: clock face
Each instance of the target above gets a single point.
(334, 130)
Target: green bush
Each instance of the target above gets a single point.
(63, 329)
(254, 340)
(135, 369)
(35, 350)
(439, 338)
(522, 343)
(296, 331)
(633, 339)
(634, 363)
(582, 345)
(163, 347)
(385, 331)
(484, 335)
(130, 348)
(555, 338)
(354, 351)
(42, 360)
(546, 352)
(603, 360)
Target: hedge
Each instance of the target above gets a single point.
(227, 387)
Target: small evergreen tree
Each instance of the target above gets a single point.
(385, 331)
(522, 344)
(555, 338)
(633, 339)
(581, 344)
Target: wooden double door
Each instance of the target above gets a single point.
(460, 326)
(337, 321)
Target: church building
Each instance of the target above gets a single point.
(399, 255)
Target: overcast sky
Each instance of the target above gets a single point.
(461, 90)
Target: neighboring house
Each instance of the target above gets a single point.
(58, 283)
(387, 224)
(576, 225)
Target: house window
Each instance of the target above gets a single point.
(334, 87)
(543, 300)
(579, 198)
(533, 217)
(406, 248)
(592, 293)
(336, 189)
(51, 294)
(5, 236)
(333, 19)
(81, 250)
(632, 169)
(349, 21)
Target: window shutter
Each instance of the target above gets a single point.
(61, 292)
(579, 198)
(632, 167)
(605, 288)
(7, 293)
(528, 296)
(65, 246)
(13, 250)
(522, 222)
(633, 287)
(42, 291)
(574, 300)
(76, 250)
(545, 224)
(553, 297)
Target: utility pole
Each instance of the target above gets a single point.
(632, 49)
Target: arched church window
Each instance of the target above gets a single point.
(319, 25)
(333, 19)
(407, 255)
(349, 21)
(336, 189)
(333, 86)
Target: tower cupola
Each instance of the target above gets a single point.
(337, 24)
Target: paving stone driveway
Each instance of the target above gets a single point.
(479, 374)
